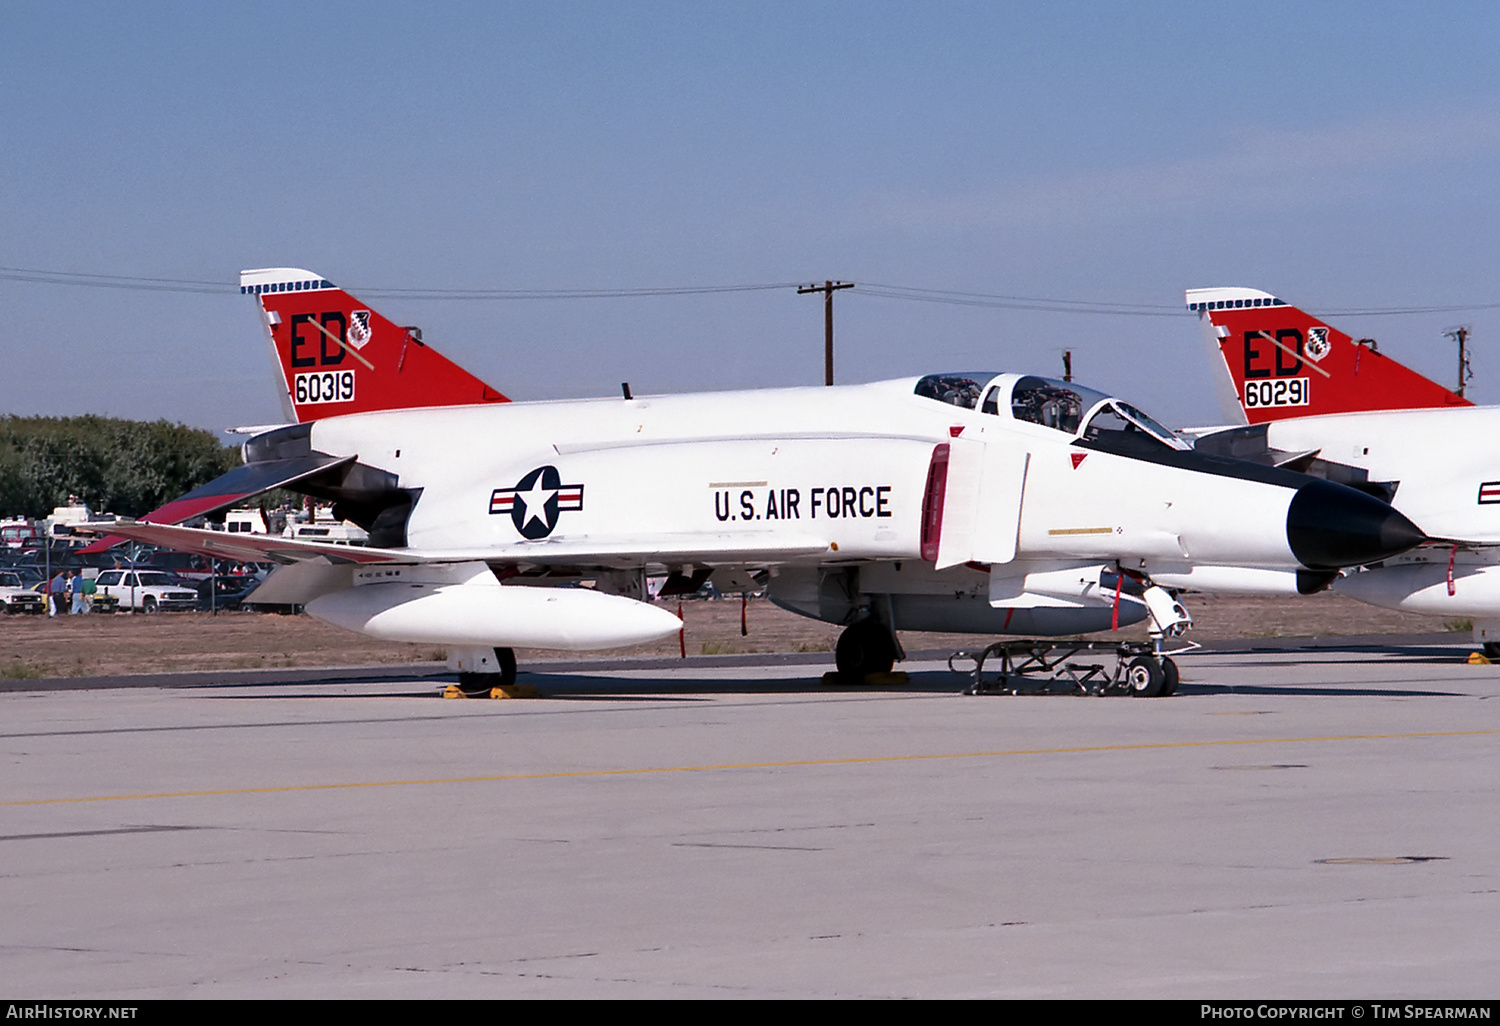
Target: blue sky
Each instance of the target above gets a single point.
(1342, 156)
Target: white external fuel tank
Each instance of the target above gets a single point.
(1424, 588)
(464, 605)
(1226, 580)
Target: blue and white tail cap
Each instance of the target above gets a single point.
(281, 279)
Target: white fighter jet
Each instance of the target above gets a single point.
(1313, 399)
(986, 502)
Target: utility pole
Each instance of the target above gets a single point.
(828, 288)
(1067, 365)
(1460, 335)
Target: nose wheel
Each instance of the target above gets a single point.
(1144, 677)
(1171, 676)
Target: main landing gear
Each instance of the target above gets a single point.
(1045, 667)
(475, 684)
(865, 653)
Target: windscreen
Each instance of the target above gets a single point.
(1120, 427)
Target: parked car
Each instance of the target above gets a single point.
(230, 592)
(183, 564)
(146, 590)
(102, 603)
(16, 597)
(29, 575)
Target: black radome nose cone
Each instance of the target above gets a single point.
(1331, 525)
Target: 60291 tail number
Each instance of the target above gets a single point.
(1277, 392)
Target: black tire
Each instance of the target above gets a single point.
(1492, 649)
(864, 648)
(148, 604)
(475, 684)
(483, 683)
(1173, 677)
(506, 658)
(1144, 677)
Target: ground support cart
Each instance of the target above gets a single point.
(1071, 667)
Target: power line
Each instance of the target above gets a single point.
(1004, 302)
(909, 289)
(1389, 311)
(670, 290)
(113, 281)
(910, 293)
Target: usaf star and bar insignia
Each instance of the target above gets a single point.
(535, 502)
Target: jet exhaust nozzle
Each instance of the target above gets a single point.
(1329, 526)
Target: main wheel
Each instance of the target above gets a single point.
(476, 683)
(1173, 677)
(1492, 649)
(483, 683)
(148, 604)
(865, 647)
(506, 658)
(1144, 677)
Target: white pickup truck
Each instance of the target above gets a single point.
(14, 598)
(146, 590)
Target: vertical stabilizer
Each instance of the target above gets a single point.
(337, 356)
(1282, 362)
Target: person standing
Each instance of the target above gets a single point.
(80, 606)
(55, 592)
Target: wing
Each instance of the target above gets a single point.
(227, 489)
(258, 547)
(622, 552)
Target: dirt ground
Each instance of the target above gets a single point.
(69, 646)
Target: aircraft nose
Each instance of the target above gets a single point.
(1331, 525)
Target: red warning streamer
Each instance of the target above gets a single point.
(1114, 613)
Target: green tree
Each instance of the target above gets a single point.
(126, 467)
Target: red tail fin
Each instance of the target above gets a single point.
(1286, 363)
(338, 356)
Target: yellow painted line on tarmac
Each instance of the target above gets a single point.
(789, 764)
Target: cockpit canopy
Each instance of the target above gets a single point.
(954, 389)
(1091, 417)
